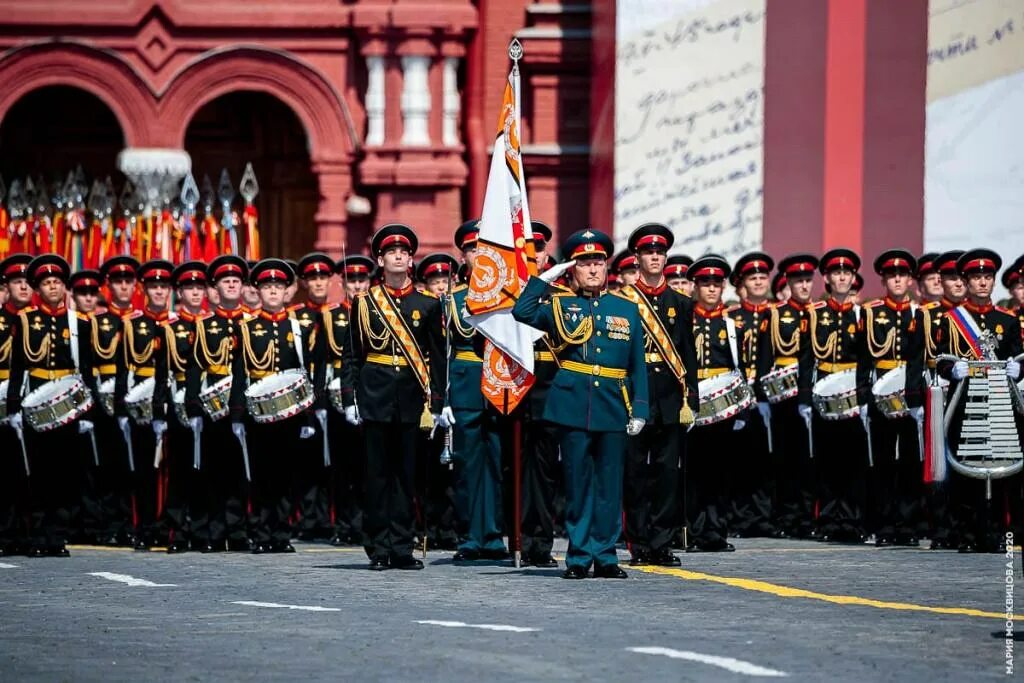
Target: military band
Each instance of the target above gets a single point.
(234, 406)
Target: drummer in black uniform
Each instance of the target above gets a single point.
(50, 344)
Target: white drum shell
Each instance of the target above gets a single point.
(279, 396)
(138, 402)
(214, 398)
(890, 392)
(722, 397)
(835, 396)
(781, 383)
(57, 403)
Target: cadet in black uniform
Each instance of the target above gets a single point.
(653, 459)
(387, 384)
(675, 274)
(49, 343)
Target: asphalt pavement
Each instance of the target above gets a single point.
(774, 608)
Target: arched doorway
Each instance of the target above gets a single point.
(255, 127)
(51, 130)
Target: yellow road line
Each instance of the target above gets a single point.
(788, 592)
(332, 550)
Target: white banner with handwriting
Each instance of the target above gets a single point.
(689, 122)
(974, 155)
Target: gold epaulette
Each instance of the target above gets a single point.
(459, 288)
(82, 316)
(874, 303)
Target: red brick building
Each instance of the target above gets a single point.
(353, 113)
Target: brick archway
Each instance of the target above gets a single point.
(98, 72)
(320, 109)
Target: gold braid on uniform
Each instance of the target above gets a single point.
(958, 349)
(577, 337)
(376, 341)
(44, 346)
(137, 359)
(5, 352)
(876, 349)
(698, 343)
(332, 343)
(103, 352)
(465, 331)
(783, 348)
(172, 349)
(830, 347)
(930, 347)
(223, 355)
(263, 364)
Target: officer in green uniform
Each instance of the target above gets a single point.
(598, 395)
(477, 442)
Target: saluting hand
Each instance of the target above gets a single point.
(554, 272)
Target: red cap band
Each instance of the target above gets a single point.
(840, 262)
(395, 239)
(628, 262)
(537, 237)
(676, 270)
(473, 237)
(708, 271)
(272, 274)
(980, 264)
(896, 263)
(228, 269)
(157, 274)
(434, 268)
(87, 282)
(800, 267)
(317, 268)
(356, 269)
(17, 269)
(589, 249)
(652, 241)
(754, 266)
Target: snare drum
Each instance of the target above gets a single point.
(781, 383)
(179, 406)
(214, 398)
(139, 401)
(106, 395)
(279, 396)
(835, 396)
(57, 403)
(890, 392)
(3, 402)
(722, 397)
(334, 394)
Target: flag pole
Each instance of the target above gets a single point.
(515, 52)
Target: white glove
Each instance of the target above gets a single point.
(159, 427)
(447, 418)
(352, 416)
(123, 423)
(16, 422)
(238, 429)
(85, 426)
(634, 425)
(554, 272)
(805, 411)
(959, 369)
(738, 425)
(195, 424)
(1012, 369)
(765, 409)
(306, 432)
(917, 414)
(864, 416)
(321, 415)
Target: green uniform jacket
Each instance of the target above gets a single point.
(463, 374)
(587, 400)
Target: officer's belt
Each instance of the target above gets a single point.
(260, 374)
(889, 364)
(835, 367)
(595, 370)
(385, 359)
(5, 374)
(144, 371)
(653, 358)
(783, 361)
(544, 356)
(706, 373)
(468, 356)
(108, 369)
(336, 364)
(43, 373)
(222, 370)
(179, 377)
(931, 364)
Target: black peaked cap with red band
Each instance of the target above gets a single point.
(393, 234)
(1014, 273)
(709, 266)
(85, 279)
(945, 262)
(157, 270)
(119, 267)
(272, 270)
(798, 264)
(356, 265)
(926, 264)
(189, 273)
(48, 265)
(979, 261)
(624, 260)
(895, 260)
(467, 234)
(315, 263)
(779, 282)
(541, 232)
(677, 265)
(436, 264)
(14, 266)
(650, 235)
(749, 264)
(227, 265)
(834, 259)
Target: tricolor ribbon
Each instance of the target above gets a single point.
(968, 329)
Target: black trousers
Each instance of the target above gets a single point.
(271, 447)
(541, 473)
(112, 480)
(390, 460)
(795, 473)
(897, 488)
(312, 499)
(707, 490)
(651, 491)
(842, 459)
(54, 460)
(752, 482)
(182, 481)
(220, 505)
(435, 494)
(14, 498)
(147, 487)
(347, 460)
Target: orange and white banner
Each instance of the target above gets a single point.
(505, 259)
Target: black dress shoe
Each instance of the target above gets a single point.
(379, 564)
(883, 541)
(59, 551)
(967, 548)
(261, 548)
(211, 547)
(142, 545)
(908, 541)
(721, 546)
(37, 551)
(609, 571)
(544, 561)
(466, 556)
(239, 545)
(664, 559)
(285, 547)
(337, 541)
(406, 562)
(575, 572)
(638, 559)
(177, 547)
(495, 554)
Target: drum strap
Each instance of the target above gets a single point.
(73, 330)
(299, 341)
(730, 327)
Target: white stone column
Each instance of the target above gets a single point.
(450, 102)
(415, 100)
(375, 101)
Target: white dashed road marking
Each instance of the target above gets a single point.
(304, 608)
(131, 580)
(728, 663)
(4, 565)
(485, 627)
